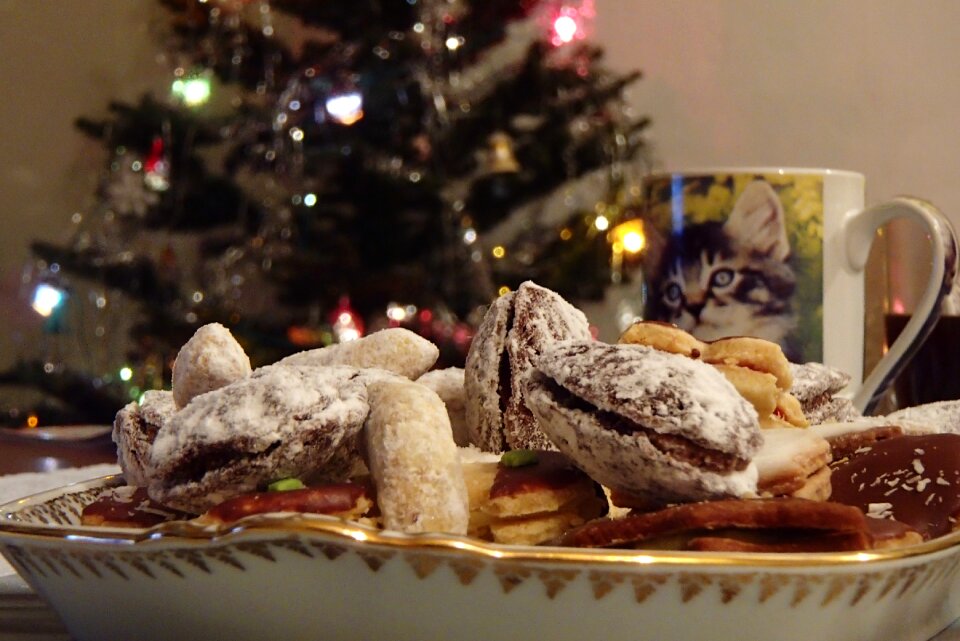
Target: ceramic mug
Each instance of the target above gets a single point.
(780, 254)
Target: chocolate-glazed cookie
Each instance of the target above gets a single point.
(914, 479)
(650, 424)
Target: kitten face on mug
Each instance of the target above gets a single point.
(731, 278)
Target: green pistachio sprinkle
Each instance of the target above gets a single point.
(285, 485)
(518, 458)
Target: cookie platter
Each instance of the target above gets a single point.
(311, 576)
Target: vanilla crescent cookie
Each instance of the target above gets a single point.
(646, 423)
(134, 430)
(285, 422)
(211, 359)
(394, 349)
(413, 460)
(448, 384)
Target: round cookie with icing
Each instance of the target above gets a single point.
(659, 427)
(284, 422)
(134, 429)
(211, 359)
(515, 330)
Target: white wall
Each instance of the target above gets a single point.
(869, 85)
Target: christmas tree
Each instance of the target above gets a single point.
(323, 169)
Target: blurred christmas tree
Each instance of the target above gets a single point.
(323, 169)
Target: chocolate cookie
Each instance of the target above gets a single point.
(134, 429)
(646, 423)
(515, 330)
(284, 422)
(816, 386)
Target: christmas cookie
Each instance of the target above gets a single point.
(413, 460)
(134, 429)
(282, 423)
(395, 349)
(448, 384)
(211, 359)
(659, 427)
(515, 330)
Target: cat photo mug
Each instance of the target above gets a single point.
(780, 254)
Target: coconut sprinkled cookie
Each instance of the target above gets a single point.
(286, 422)
(661, 427)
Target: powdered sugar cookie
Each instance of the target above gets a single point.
(448, 384)
(646, 423)
(395, 349)
(134, 429)
(413, 460)
(285, 422)
(211, 359)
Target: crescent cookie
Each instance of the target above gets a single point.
(134, 429)
(395, 349)
(413, 460)
(754, 353)
(448, 384)
(652, 425)
(285, 422)
(211, 359)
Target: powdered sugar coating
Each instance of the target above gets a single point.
(941, 417)
(211, 359)
(629, 462)
(285, 422)
(448, 384)
(813, 379)
(790, 452)
(413, 460)
(667, 393)
(394, 349)
(134, 430)
(541, 318)
(481, 381)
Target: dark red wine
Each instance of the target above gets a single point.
(934, 373)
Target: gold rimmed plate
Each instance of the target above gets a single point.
(304, 576)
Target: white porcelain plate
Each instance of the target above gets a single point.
(310, 577)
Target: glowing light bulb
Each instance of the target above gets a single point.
(565, 28)
(32, 421)
(499, 251)
(346, 108)
(46, 299)
(126, 373)
(601, 223)
(193, 91)
(634, 242)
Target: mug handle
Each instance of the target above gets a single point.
(860, 228)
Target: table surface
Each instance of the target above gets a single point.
(18, 454)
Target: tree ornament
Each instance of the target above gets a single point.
(127, 193)
(500, 157)
(156, 167)
(569, 20)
